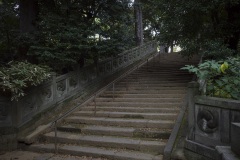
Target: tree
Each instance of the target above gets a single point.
(76, 31)
(206, 27)
(138, 22)
(8, 31)
(28, 15)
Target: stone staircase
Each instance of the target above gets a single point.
(134, 123)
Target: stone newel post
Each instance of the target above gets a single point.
(193, 90)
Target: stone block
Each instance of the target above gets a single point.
(200, 149)
(8, 138)
(235, 138)
(225, 153)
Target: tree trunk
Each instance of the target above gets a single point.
(50, 4)
(28, 15)
(138, 22)
(172, 47)
(233, 20)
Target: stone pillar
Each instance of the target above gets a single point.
(193, 90)
(235, 138)
(54, 84)
(8, 131)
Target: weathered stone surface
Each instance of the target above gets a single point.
(225, 153)
(212, 124)
(200, 149)
(218, 102)
(99, 152)
(108, 130)
(131, 127)
(235, 138)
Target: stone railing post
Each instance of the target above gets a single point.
(193, 90)
(54, 84)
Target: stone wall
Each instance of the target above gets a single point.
(210, 122)
(13, 115)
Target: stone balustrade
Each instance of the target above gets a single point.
(211, 123)
(60, 88)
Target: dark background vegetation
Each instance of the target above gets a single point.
(66, 34)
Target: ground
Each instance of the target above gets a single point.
(25, 155)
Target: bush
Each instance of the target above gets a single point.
(18, 76)
(220, 78)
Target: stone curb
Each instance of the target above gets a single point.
(170, 144)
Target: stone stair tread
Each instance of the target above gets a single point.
(132, 109)
(117, 131)
(137, 115)
(100, 138)
(139, 88)
(136, 104)
(138, 99)
(153, 82)
(135, 84)
(128, 113)
(138, 123)
(147, 91)
(106, 95)
(108, 141)
(96, 152)
(111, 129)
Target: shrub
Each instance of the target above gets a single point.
(220, 78)
(17, 76)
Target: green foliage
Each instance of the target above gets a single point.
(18, 76)
(210, 28)
(209, 49)
(66, 33)
(74, 31)
(9, 24)
(222, 78)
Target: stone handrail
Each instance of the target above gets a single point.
(60, 88)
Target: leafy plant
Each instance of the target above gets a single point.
(18, 76)
(220, 78)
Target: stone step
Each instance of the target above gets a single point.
(168, 73)
(152, 85)
(136, 82)
(146, 91)
(161, 73)
(159, 79)
(132, 109)
(126, 95)
(153, 116)
(138, 123)
(136, 104)
(159, 69)
(111, 154)
(150, 88)
(152, 100)
(164, 75)
(135, 124)
(116, 131)
(156, 147)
